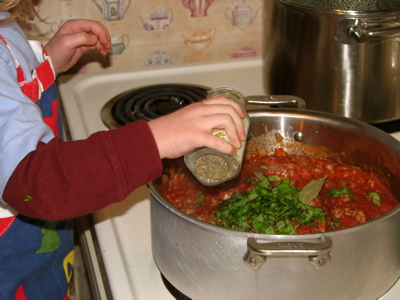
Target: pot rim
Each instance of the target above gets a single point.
(309, 114)
(368, 129)
(339, 11)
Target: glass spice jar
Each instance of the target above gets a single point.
(209, 166)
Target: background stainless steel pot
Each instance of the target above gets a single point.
(341, 62)
(204, 261)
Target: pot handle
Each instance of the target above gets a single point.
(277, 100)
(362, 30)
(317, 251)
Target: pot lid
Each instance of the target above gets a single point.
(353, 5)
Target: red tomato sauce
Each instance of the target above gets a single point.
(184, 192)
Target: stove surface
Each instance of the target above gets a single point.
(123, 229)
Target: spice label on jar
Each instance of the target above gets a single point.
(240, 152)
(221, 134)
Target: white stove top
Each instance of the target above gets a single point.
(123, 229)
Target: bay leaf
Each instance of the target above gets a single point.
(311, 190)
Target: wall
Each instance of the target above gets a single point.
(162, 32)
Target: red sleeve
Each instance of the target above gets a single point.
(69, 179)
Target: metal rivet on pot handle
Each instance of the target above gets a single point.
(317, 251)
(276, 100)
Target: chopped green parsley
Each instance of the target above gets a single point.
(268, 208)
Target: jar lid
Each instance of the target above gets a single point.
(228, 92)
(211, 167)
(352, 5)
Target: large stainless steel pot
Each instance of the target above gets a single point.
(341, 62)
(204, 261)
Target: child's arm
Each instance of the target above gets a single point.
(63, 180)
(68, 179)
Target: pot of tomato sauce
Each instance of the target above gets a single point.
(206, 261)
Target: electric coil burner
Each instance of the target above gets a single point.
(149, 102)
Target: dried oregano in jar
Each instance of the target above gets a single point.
(209, 166)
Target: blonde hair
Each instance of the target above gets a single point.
(21, 10)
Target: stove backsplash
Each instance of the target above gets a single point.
(156, 33)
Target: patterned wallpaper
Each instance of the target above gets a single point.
(158, 33)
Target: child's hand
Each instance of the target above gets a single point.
(191, 127)
(73, 39)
